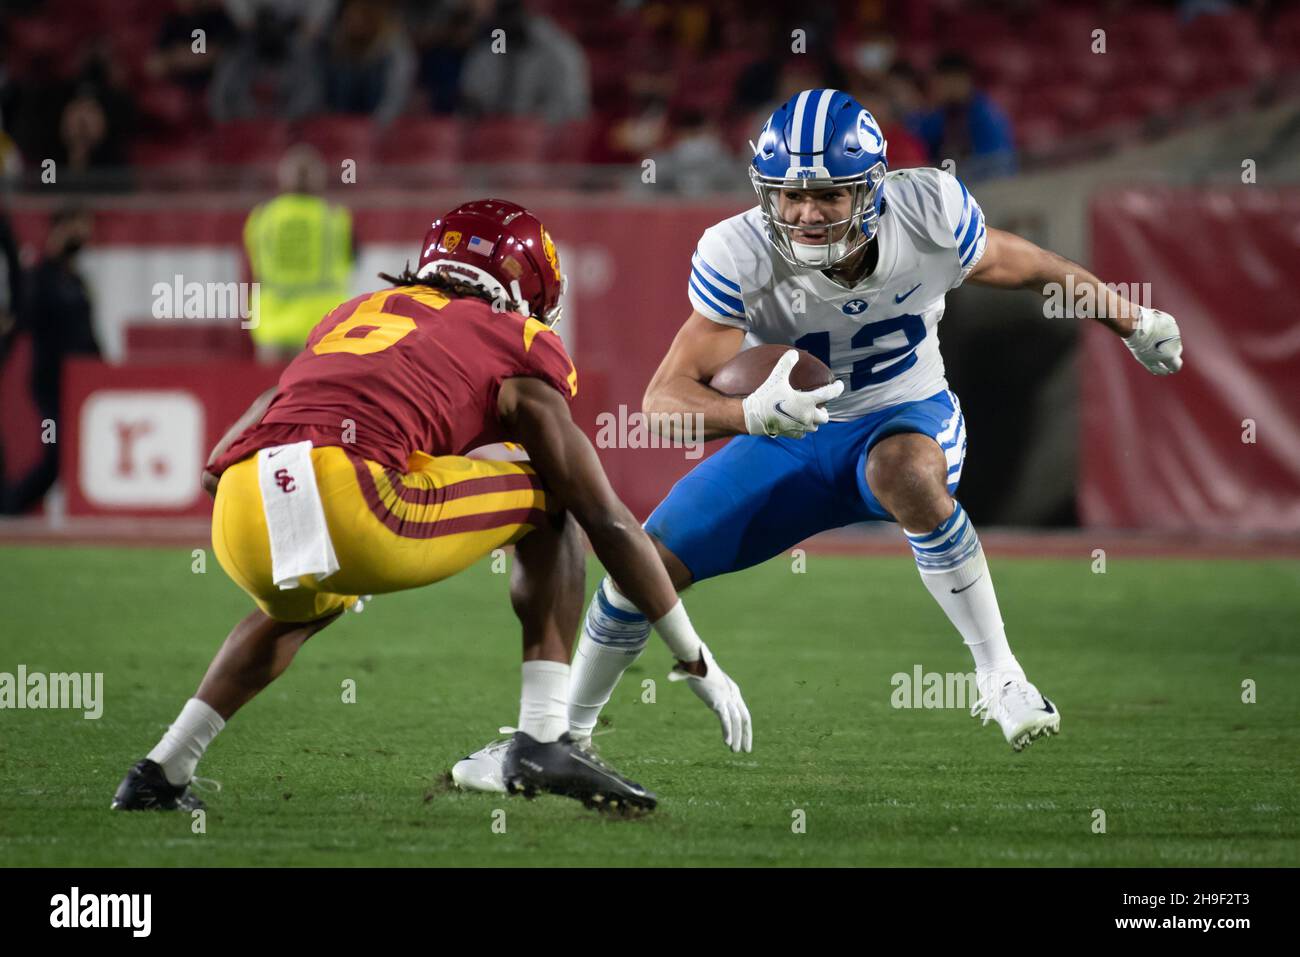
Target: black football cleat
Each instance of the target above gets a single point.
(564, 767)
(145, 788)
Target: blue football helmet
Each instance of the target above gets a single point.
(817, 140)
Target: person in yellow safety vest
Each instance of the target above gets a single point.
(300, 253)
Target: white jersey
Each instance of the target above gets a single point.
(881, 336)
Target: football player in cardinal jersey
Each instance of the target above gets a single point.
(851, 263)
(351, 478)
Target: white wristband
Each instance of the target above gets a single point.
(679, 635)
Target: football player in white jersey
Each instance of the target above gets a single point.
(851, 263)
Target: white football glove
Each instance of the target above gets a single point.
(722, 696)
(1156, 342)
(777, 408)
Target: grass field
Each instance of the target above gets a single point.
(1146, 663)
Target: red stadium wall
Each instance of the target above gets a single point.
(1172, 453)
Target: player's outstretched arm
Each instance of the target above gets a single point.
(700, 348)
(1012, 262)
(537, 416)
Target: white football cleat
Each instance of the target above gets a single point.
(1018, 707)
(481, 771)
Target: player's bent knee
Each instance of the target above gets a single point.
(908, 473)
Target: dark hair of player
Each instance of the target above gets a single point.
(442, 283)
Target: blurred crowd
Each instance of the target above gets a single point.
(100, 85)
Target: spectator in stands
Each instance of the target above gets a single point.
(905, 148)
(11, 285)
(300, 253)
(174, 58)
(698, 161)
(83, 136)
(57, 314)
(903, 87)
(780, 72)
(274, 72)
(370, 64)
(543, 72)
(11, 296)
(444, 33)
(642, 132)
(965, 125)
(873, 60)
(84, 125)
(309, 17)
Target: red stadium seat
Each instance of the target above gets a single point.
(167, 106)
(1177, 67)
(1058, 27)
(1222, 34)
(1284, 32)
(415, 140)
(1005, 61)
(506, 139)
(973, 28)
(171, 151)
(1072, 103)
(242, 142)
(339, 137)
(42, 40)
(571, 142)
(1143, 33)
(1039, 132)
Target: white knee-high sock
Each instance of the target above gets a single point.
(613, 636)
(185, 741)
(544, 699)
(953, 568)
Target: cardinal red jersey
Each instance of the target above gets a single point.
(403, 370)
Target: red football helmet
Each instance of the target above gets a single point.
(502, 248)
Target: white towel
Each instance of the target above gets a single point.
(295, 518)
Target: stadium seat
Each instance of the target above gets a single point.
(1222, 34)
(170, 151)
(1039, 132)
(506, 139)
(242, 142)
(168, 107)
(1005, 61)
(1072, 103)
(1284, 32)
(414, 140)
(974, 28)
(338, 137)
(570, 142)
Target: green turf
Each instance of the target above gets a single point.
(1146, 663)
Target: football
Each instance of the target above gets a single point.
(749, 369)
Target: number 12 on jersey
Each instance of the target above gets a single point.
(865, 371)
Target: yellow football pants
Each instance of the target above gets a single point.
(391, 530)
